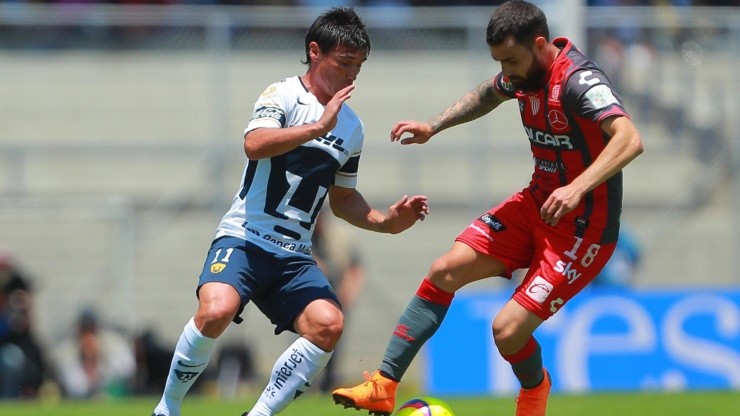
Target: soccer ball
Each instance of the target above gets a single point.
(425, 406)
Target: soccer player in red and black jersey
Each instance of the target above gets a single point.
(562, 228)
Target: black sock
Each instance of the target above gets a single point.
(527, 364)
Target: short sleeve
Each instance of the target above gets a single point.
(269, 110)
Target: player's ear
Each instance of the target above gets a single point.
(539, 43)
(314, 51)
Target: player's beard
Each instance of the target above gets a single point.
(534, 80)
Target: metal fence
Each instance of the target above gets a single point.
(120, 143)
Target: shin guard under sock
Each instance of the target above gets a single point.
(420, 320)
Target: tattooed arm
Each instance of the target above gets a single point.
(476, 103)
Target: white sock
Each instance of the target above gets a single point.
(192, 353)
(291, 376)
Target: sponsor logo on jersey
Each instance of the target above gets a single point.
(557, 119)
(588, 78)
(288, 245)
(217, 268)
(601, 96)
(556, 304)
(492, 222)
(546, 139)
(270, 112)
(539, 289)
(549, 166)
(581, 222)
(555, 92)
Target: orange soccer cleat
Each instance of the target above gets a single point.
(533, 402)
(377, 395)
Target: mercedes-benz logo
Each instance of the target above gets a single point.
(557, 120)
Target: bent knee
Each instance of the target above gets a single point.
(321, 323)
(328, 324)
(510, 335)
(218, 303)
(440, 269)
(503, 331)
(441, 275)
(215, 317)
(331, 331)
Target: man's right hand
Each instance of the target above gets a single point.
(328, 120)
(420, 132)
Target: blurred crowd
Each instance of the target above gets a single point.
(23, 367)
(95, 360)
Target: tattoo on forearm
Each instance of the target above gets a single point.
(476, 103)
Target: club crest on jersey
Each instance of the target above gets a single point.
(269, 91)
(534, 104)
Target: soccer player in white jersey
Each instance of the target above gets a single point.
(303, 144)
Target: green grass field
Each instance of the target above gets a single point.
(721, 403)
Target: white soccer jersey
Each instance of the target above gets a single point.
(279, 197)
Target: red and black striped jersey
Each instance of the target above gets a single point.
(562, 121)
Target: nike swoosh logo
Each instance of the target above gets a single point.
(301, 102)
(189, 366)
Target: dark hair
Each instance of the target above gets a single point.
(518, 18)
(338, 26)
